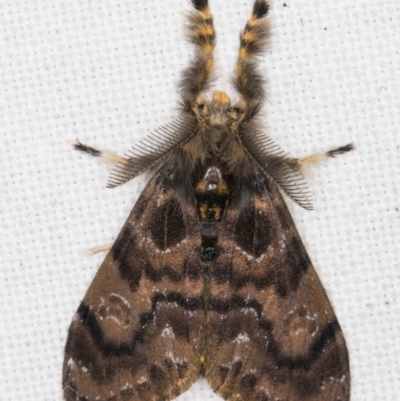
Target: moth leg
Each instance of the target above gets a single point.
(298, 164)
(289, 173)
(248, 81)
(98, 249)
(319, 157)
(105, 155)
(201, 33)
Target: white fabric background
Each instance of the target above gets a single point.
(106, 73)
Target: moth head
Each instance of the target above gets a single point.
(218, 113)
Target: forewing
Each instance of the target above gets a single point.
(137, 333)
(272, 333)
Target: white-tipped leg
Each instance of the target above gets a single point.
(103, 248)
(105, 155)
(319, 157)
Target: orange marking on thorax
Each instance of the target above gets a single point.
(222, 188)
(221, 97)
(203, 210)
(202, 186)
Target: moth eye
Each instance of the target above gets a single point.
(236, 112)
(200, 107)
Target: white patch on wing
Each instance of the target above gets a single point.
(251, 257)
(168, 332)
(121, 298)
(261, 257)
(247, 310)
(248, 257)
(174, 359)
(241, 338)
(127, 385)
(168, 250)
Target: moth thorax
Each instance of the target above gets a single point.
(212, 182)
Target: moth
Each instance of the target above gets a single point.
(209, 277)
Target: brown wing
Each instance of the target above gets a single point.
(136, 335)
(272, 333)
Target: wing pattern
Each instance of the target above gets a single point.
(253, 318)
(272, 333)
(209, 275)
(137, 333)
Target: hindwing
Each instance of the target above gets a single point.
(137, 333)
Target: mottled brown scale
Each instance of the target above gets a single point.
(272, 333)
(209, 275)
(147, 295)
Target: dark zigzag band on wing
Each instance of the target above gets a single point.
(328, 333)
(89, 320)
(283, 281)
(133, 268)
(221, 306)
(254, 234)
(128, 355)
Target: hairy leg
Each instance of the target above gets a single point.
(201, 33)
(248, 81)
(103, 154)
